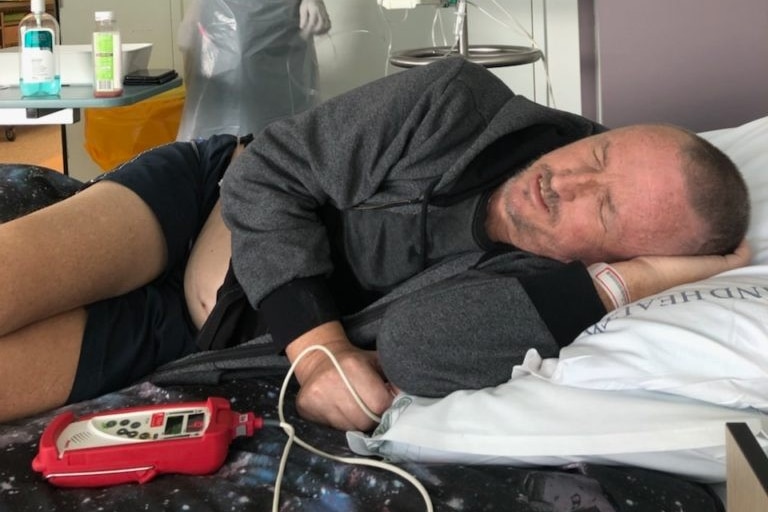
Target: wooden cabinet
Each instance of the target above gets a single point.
(10, 16)
(10, 24)
(747, 467)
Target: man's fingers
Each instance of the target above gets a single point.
(325, 398)
(743, 253)
(339, 414)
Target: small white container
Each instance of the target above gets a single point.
(76, 62)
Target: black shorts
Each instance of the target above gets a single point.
(127, 337)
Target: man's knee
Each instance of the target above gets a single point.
(38, 364)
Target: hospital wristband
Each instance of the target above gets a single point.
(611, 282)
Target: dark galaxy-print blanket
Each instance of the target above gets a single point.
(25, 188)
(246, 481)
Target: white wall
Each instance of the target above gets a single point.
(658, 63)
(356, 49)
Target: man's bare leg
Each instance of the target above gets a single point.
(38, 364)
(99, 243)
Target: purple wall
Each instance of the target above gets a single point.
(702, 64)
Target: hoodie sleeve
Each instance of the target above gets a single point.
(469, 331)
(339, 154)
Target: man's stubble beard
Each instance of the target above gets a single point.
(526, 229)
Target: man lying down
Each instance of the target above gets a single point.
(325, 212)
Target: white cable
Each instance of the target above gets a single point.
(517, 23)
(293, 438)
(437, 21)
(457, 30)
(320, 39)
(461, 16)
(388, 37)
(544, 59)
(532, 41)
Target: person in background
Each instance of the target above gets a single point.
(248, 62)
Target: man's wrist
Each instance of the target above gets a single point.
(611, 286)
(330, 334)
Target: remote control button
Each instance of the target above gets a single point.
(157, 420)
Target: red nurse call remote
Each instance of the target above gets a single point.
(137, 443)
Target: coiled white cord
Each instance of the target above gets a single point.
(293, 438)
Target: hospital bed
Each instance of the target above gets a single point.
(631, 417)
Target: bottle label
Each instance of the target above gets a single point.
(106, 62)
(37, 59)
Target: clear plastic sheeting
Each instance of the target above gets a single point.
(246, 64)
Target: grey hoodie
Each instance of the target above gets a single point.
(403, 165)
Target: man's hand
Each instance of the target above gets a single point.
(323, 396)
(647, 275)
(313, 18)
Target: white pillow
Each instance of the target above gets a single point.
(747, 145)
(706, 340)
(530, 421)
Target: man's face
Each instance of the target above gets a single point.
(609, 197)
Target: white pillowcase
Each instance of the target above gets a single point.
(706, 340)
(747, 145)
(530, 421)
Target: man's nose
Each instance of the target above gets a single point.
(570, 185)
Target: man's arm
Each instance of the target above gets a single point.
(469, 331)
(648, 275)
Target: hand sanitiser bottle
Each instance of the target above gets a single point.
(107, 56)
(39, 52)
